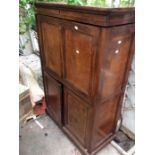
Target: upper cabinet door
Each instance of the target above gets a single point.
(51, 47)
(80, 45)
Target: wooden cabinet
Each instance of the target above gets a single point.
(86, 54)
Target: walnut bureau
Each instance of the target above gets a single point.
(86, 54)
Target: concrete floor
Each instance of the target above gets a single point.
(50, 140)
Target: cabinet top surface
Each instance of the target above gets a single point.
(89, 9)
(100, 16)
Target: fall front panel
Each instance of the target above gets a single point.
(80, 51)
(51, 36)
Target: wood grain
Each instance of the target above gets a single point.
(86, 54)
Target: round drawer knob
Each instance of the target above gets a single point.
(77, 51)
(117, 51)
(76, 27)
(119, 41)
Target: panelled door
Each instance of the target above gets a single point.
(53, 91)
(51, 44)
(80, 45)
(76, 115)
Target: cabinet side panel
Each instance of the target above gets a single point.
(104, 121)
(115, 60)
(116, 50)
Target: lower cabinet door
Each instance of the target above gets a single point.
(53, 98)
(76, 116)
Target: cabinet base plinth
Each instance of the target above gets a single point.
(83, 150)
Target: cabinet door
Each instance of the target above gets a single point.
(80, 50)
(76, 116)
(53, 98)
(51, 42)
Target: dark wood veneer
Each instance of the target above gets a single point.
(86, 53)
(91, 15)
